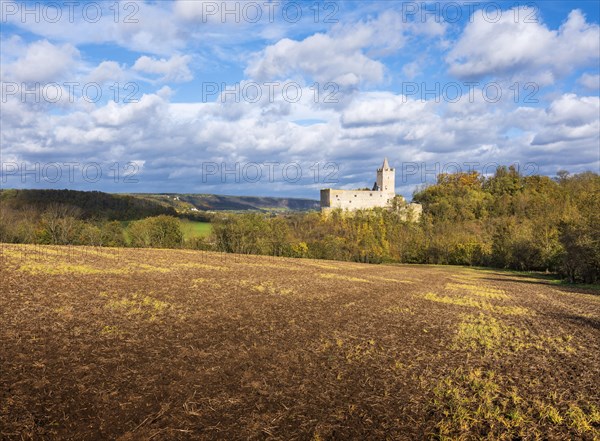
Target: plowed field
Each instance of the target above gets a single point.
(132, 344)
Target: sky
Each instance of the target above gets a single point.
(283, 98)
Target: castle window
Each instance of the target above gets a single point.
(370, 194)
(354, 195)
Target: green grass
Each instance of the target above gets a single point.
(566, 284)
(478, 401)
(195, 229)
(536, 277)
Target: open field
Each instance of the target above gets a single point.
(131, 344)
(192, 229)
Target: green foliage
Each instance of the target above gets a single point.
(243, 234)
(455, 198)
(137, 232)
(202, 243)
(159, 231)
(89, 234)
(581, 251)
(524, 223)
(112, 234)
(90, 204)
(579, 229)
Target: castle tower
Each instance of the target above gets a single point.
(386, 178)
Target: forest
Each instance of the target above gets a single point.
(89, 204)
(507, 220)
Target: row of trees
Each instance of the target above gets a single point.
(506, 221)
(61, 224)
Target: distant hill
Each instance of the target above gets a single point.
(93, 204)
(96, 204)
(213, 202)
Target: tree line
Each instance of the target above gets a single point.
(530, 223)
(90, 204)
(60, 224)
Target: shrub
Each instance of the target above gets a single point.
(159, 231)
(112, 234)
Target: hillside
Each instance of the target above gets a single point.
(92, 204)
(96, 204)
(132, 344)
(213, 202)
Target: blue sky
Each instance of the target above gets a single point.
(284, 98)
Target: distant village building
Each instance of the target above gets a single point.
(382, 194)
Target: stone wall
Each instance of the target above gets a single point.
(413, 212)
(354, 199)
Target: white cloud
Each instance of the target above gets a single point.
(147, 109)
(571, 118)
(173, 69)
(344, 55)
(589, 81)
(515, 48)
(381, 108)
(569, 109)
(320, 57)
(107, 71)
(204, 11)
(140, 26)
(12, 48)
(174, 139)
(347, 54)
(43, 62)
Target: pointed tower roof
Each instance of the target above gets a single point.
(385, 165)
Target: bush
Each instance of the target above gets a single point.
(581, 252)
(89, 234)
(159, 231)
(200, 243)
(138, 234)
(112, 234)
(59, 225)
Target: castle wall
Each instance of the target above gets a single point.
(414, 211)
(354, 199)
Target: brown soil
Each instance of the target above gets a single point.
(170, 344)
